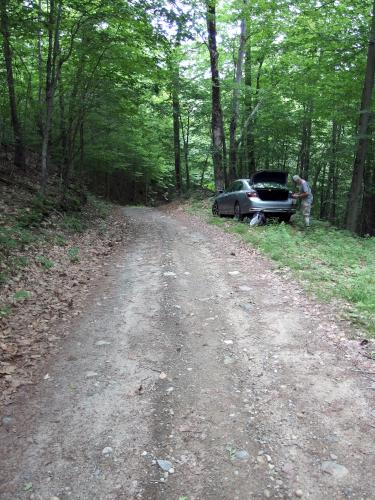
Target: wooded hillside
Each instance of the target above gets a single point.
(140, 99)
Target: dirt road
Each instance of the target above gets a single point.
(202, 358)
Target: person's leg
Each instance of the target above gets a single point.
(306, 209)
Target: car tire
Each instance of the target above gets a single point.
(215, 210)
(237, 212)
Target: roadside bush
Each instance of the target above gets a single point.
(73, 223)
(102, 208)
(7, 239)
(29, 218)
(12, 238)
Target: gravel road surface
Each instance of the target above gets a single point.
(197, 372)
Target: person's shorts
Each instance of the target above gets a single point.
(306, 208)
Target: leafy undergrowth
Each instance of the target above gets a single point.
(330, 263)
(47, 259)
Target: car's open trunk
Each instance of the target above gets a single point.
(272, 194)
(270, 185)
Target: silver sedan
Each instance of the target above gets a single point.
(265, 192)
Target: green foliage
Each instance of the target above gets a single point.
(24, 236)
(21, 295)
(60, 240)
(74, 223)
(43, 204)
(14, 237)
(101, 207)
(112, 121)
(72, 202)
(5, 311)
(7, 239)
(3, 277)
(231, 452)
(29, 218)
(45, 262)
(73, 254)
(19, 261)
(331, 263)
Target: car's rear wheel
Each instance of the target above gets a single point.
(237, 212)
(215, 209)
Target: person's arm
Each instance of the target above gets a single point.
(301, 195)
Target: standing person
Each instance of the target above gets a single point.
(306, 197)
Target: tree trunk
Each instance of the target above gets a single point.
(225, 163)
(52, 75)
(63, 134)
(251, 106)
(185, 132)
(175, 71)
(204, 168)
(323, 199)
(233, 146)
(81, 147)
(354, 206)
(304, 156)
(217, 117)
(368, 225)
(19, 151)
(176, 130)
(331, 195)
(39, 50)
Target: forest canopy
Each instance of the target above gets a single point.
(141, 99)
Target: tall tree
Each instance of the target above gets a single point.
(185, 132)
(176, 117)
(354, 206)
(233, 145)
(305, 150)
(19, 151)
(217, 114)
(53, 69)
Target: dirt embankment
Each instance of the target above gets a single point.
(49, 260)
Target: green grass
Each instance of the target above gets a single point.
(4, 276)
(73, 254)
(45, 262)
(21, 295)
(74, 223)
(5, 311)
(330, 263)
(103, 208)
(12, 238)
(19, 261)
(60, 240)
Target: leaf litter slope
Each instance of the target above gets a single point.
(233, 378)
(46, 270)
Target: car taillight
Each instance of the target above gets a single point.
(251, 194)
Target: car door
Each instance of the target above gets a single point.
(234, 196)
(224, 200)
